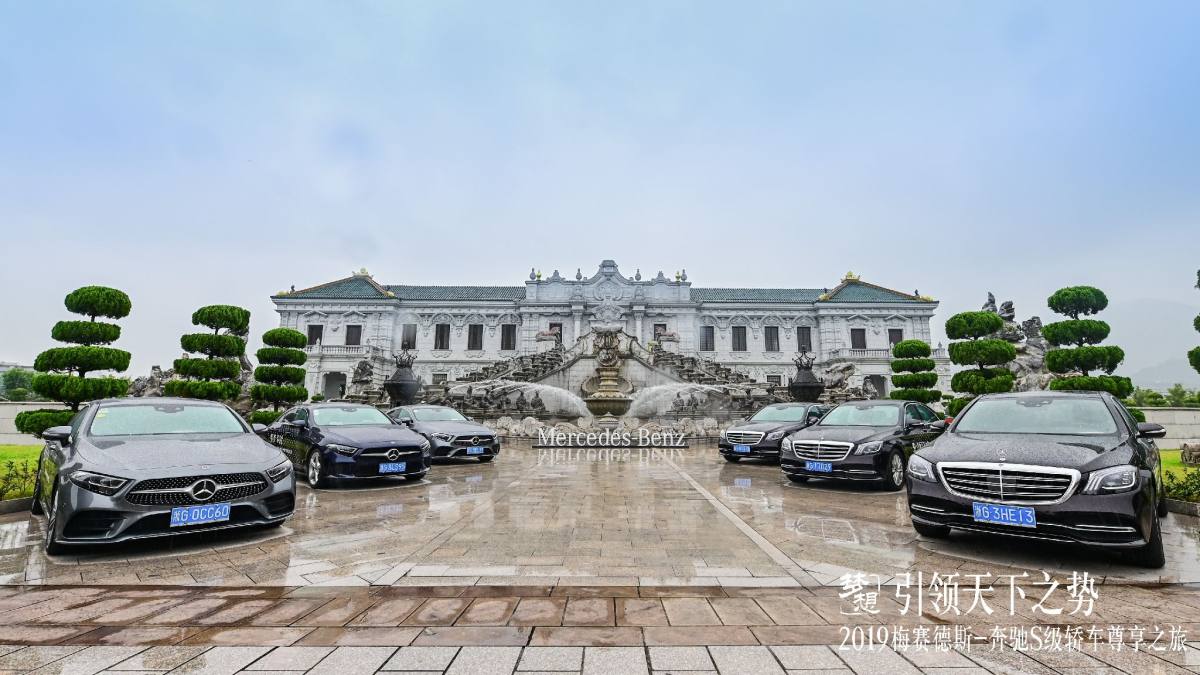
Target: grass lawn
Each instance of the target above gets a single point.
(1171, 463)
(25, 457)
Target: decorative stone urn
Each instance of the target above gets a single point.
(403, 386)
(805, 387)
(609, 398)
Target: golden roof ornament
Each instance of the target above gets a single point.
(851, 276)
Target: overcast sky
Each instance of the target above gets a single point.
(217, 152)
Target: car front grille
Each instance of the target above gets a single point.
(746, 437)
(177, 491)
(401, 452)
(822, 451)
(1009, 483)
(91, 524)
(472, 441)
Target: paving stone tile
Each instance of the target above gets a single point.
(505, 591)
(237, 613)
(815, 657)
(388, 612)
(438, 612)
(934, 658)
(291, 658)
(745, 660)
(159, 658)
(547, 659)
(690, 612)
(421, 658)
(41, 635)
(789, 611)
(680, 658)
(650, 591)
(614, 661)
(489, 636)
(640, 612)
(792, 635)
(353, 660)
(698, 635)
(484, 661)
(539, 612)
(274, 636)
(35, 657)
(878, 660)
(740, 612)
(288, 610)
(362, 636)
(589, 612)
(593, 591)
(337, 612)
(221, 661)
(89, 661)
(488, 612)
(137, 635)
(586, 636)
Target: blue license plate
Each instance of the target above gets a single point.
(392, 467)
(1002, 514)
(199, 515)
(474, 451)
(741, 449)
(819, 467)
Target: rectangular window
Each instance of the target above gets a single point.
(475, 337)
(895, 335)
(556, 328)
(739, 338)
(804, 338)
(659, 329)
(439, 378)
(353, 335)
(315, 333)
(408, 336)
(508, 337)
(441, 336)
(771, 338)
(858, 338)
(775, 380)
(708, 338)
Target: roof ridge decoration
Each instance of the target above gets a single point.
(357, 283)
(852, 282)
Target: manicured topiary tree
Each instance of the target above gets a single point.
(280, 379)
(62, 371)
(914, 376)
(985, 356)
(1079, 353)
(215, 376)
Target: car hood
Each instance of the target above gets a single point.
(371, 436)
(148, 453)
(818, 432)
(1085, 453)
(456, 428)
(765, 427)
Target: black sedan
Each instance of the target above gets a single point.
(861, 440)
(348, 441)
(1057, 466)
(151, 467)
(761, 435)
(451, 434)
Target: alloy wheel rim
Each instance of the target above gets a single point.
(897, 469)
(314, 469)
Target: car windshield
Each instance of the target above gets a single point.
(1038, 415)
(145, 420)
(862, 415)
(348, 416)
(781, 413)
(437, 415)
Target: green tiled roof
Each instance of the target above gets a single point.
(350, 288)
(458, 292)
(756, 294)
(857, 291)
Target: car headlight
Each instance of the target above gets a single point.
(869, 448)
(425, 447)
(920, 468)
(443, 437)
(776, 435)
(280, 471)
(786, 444)
(1113, 479)
(344, 450)
(723, 435)
(98, 482)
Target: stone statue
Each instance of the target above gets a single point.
(536, 403)
(869, 390)
(1007, 312)
(520, 402)
(364, 372)
(990, 305)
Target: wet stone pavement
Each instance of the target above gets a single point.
(573, 561)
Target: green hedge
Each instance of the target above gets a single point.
(1085, 359)
(227, 317)
(281, 356)
(86, 332)
(915, 380)
(208, 369)
(267, 417)
(1120, 387)
(912, 365)
(982, 352)
(1076, 301)
(73, 390)
(913, 376)
(285, 337)
(83, 358)
(94, 301)
(280, 377)
(911, 349)
(926, 396)
(973, 325)
(279, 374)
(36, 421)
(213, 345)
(1075, 332)
(1194, 358)
(278, 393)
(212, 390)
(985, 381)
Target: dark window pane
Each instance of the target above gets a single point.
(708, 341)
(771, 337)
(354, 335)
(775, 380)
(556, 328)
(659, 329)
(441, 336)
(739, 338)
(409, 336)
(895, 335)
(804, 338)
(315, 333)
(508, 337)
(475, 337)
(858, 338)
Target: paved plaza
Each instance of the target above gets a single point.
(572, 561)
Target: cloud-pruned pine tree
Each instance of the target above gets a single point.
(213, 377)
(913, 372)
(279, 377)
(986, 357)
(1077, 340)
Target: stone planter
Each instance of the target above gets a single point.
(1186, 508)
(15, 505)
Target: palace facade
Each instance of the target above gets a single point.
(454, 330)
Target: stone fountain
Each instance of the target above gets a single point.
(805, 386)
(609, 398)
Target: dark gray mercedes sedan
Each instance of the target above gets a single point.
(150, 467)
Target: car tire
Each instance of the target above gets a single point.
(1151, 556)
(931, 531)
(893, 478)
(797, 478)
(732, 459)
(487, 458)
(51, 546)
(314, 472)
(1160, 509)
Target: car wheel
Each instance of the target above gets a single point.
(931, 531)
(894, 475)
(731, 458)
(487, 458)
(797, 478)
(52, 547)
(316, 478)
(1151, 555)
(1161, 508)
(35, 506)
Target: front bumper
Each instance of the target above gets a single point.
(763, 449)
(90, 518)
(1122, 520)
(853, 467)
(446, 449)
(364, 465)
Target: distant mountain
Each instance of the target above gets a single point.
(1162, 376)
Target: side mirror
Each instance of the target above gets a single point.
(1145, 430)
(299, 424)
(939, 426)
(60, 435)
(258, 428)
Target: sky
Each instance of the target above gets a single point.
(194, 153)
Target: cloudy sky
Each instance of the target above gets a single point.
(216, 152)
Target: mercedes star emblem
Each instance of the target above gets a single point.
(204, 489)
(474, 440)
(393, 454)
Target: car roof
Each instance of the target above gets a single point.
(1048, 393)
(156, 400)
(338, 404)
(876, 401)
(420, 405)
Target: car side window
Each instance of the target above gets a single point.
(77, 421)
(926, 414)
(403, 416)
(1130, 423)
(301, 414)
(910, 414)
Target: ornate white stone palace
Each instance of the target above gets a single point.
(454, 330)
